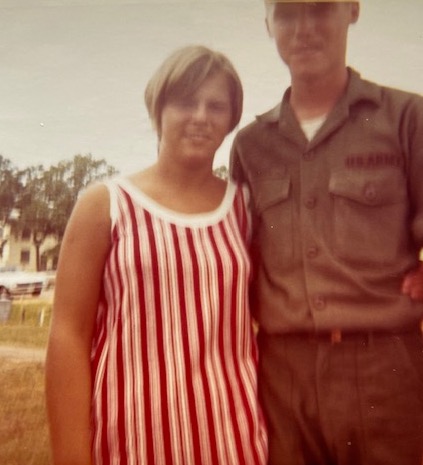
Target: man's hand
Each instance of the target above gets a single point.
(413, 283)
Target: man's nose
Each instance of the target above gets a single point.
(304, 21)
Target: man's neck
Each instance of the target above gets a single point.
(314, 97)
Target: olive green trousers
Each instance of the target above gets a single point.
(357, 401)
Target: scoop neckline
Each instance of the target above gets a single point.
(191, 219)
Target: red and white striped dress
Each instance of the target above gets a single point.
(174, 355)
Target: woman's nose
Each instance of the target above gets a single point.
(200, 112)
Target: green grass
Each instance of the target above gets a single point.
(27, 325)
(23, 336)
(30, 312)
(23, 425)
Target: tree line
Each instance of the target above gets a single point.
(36, 202)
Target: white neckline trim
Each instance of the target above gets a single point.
(178, 218)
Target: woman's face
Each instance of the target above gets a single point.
(193, 127)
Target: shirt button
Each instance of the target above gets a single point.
(370, 193)
(319, 302)
(312, 252)
(308, 156)
(310, 203)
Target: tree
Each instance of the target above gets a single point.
(35, 214)
(48, 196)
(10, 188)
(68, 179)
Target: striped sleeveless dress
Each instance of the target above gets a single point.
(174, 355)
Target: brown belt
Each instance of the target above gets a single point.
(338, 336)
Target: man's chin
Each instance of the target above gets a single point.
(306, 71)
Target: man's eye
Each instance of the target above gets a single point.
(285, 12)
(289, 12)
(320, 9)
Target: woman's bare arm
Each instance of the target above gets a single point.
(68, 376)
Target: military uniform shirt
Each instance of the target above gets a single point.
(339, 219)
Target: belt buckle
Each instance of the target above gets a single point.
(336, 336)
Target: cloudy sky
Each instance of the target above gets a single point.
(73, 72)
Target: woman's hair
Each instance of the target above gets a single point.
(182, 73)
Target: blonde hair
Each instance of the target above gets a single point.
(183, 72)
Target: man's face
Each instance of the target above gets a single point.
(311, 38)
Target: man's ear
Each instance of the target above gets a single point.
(269, 28)
(355, 12)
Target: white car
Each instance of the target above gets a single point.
(17, 283)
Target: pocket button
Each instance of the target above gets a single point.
(370, 193)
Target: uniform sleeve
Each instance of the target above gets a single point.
(412, 141)
(235, 167)
(239, 175)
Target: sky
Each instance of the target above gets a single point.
(73, 72)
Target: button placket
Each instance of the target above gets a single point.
(309, 155)
(310, 202)
(311, 189)
(312, 252)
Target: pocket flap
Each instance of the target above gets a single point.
(369, 189)
(271, 191)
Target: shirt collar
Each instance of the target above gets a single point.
(358, 90)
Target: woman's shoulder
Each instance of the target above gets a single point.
(94, 197)
(92, 208)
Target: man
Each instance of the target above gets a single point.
(335, 173)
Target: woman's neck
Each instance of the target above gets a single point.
(179, 190)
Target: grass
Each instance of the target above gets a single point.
(27, 325)
(23, 426)
(23, 336)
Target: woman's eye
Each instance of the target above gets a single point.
(186, 103)
(216, 107)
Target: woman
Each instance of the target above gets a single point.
(151, 358)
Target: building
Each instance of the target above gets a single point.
(19, 251)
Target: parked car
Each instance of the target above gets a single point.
(17, 283)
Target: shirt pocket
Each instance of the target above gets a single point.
(369, 216)
(274, 209)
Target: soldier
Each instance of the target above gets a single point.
(335, 174)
